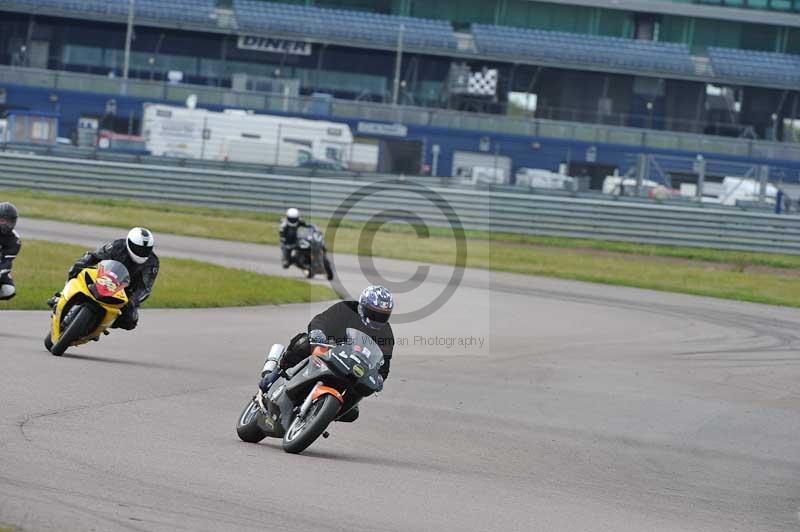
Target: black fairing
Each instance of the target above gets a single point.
(280, 409)
(305, 375)
(344, 365)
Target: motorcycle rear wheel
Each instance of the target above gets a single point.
(247, 427)
(77, 327)
(303, 432)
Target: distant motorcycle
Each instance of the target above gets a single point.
(310, 254)
(88, 305)
(302, 403)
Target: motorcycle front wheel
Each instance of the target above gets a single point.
(248, 427)
(303, 432)
(75, 329)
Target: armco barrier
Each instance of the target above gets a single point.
(647, 223)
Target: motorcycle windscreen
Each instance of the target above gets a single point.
(305, 233)
(112, 276)
(311, 235)
(365, 347)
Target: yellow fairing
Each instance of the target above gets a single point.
(79, 285)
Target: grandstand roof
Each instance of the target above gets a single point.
(677, 7)
(677, 65)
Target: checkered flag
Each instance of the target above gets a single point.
(483, 83)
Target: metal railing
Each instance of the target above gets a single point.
(531, 214)
(96, 154)
(637, 120)
(443, 118)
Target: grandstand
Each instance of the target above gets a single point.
(705, 67)
(340, 25)
(573, 48)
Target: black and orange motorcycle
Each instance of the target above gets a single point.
(319, 390)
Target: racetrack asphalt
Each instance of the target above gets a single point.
(586, 408)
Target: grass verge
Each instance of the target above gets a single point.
(758, 277)
(41, 269)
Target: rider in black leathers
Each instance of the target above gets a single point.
(136, 253)
(370, 314)
(10, 245)
(288, 234)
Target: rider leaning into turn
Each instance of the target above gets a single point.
(370, 315)
(288, 234)
(136, 253)
(10, 245)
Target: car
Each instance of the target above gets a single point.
(323, 164)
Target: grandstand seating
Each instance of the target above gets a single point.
(357, 26)
(509, 43)
(188, 11)
(176, 11)
(754, 66)
(615, 52)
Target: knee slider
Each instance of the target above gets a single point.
(7, 291)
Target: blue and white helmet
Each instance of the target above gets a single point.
(375, 306)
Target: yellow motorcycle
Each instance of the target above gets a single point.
(88, 306)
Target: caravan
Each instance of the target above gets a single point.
(241, 136)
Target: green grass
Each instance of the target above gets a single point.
(41, 268)
(758, 277)
(696, 277)
(261, 228)
(199, 221)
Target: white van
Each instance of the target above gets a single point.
(242, 136)
(545, 179)
(745, 189)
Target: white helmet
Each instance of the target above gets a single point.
(140, 244)
(292, 216)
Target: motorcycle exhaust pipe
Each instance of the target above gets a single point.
(273, 358)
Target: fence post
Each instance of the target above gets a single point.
(641, 170)
(700, 168)
(763, 178)
(435, 150)
(278, 145)
(203, 137)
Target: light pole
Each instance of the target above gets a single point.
(397, 65)
(128, 39)
(774, 126)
